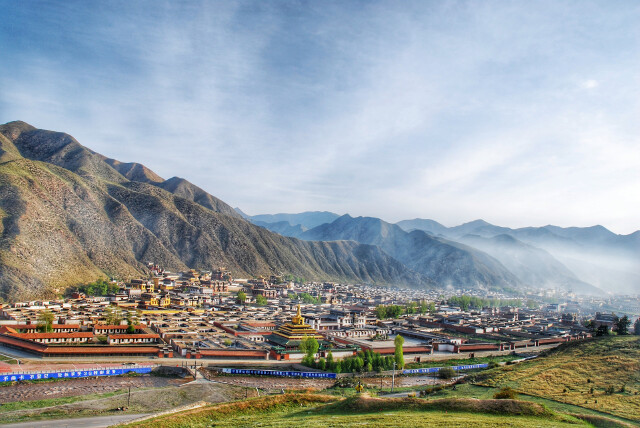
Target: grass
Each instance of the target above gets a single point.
(50, 402)
(307, 410)
(485, 393)
(568, 373)
(7, 359)
(462, 361)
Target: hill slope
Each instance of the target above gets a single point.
(568, 373)
(446, 262)
(68, 217)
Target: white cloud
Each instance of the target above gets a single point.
(447, 110)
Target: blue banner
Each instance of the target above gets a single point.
(437, 369)
(280, 373)
(9, 377)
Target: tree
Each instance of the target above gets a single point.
(636, 327)
(241, 297)
(45, 321)
(381, 312)
(622, 325)
(261, 300)
(309, 345)
(603, 330)
(431, 307)
(322, 364)
(399, 341)
(113, 316)
(331, 365)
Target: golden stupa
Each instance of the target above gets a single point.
(292, 333)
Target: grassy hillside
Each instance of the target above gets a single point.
(306, 410)
(580, 373)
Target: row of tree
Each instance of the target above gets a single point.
(363, 361)
(621, 327)
(99, 288)
(394, 311)
(465, 302)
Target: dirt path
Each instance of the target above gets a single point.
(74, 387)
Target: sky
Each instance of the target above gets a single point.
(520, 113)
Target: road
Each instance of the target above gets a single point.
(95, 422)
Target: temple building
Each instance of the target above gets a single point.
(292, 333)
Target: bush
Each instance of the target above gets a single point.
(610, 390)
(346, 382)
(446, 373)
(492, 365)
(506, 393)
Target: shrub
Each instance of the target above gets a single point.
(493, 365)
(346, 382)
(506, 393)
(446, 373)
(610, 390)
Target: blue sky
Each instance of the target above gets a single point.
(520, 113)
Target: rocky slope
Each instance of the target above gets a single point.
(447, 263)
(69, 215)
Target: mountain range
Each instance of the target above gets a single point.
(70, 215)
(588, 260)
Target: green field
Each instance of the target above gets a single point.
(580, 373)
(310, 410)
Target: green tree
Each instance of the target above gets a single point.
(309, 345)
(45, 321)
(261, 300)
(431, 307)
(241, 297)
(381, 312)
(399, 356)
(322, 364)
(622, 325)
(636, 327)
(331, 364)
(603, 330)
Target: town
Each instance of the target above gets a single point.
(210, 315)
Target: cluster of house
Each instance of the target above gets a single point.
(196, 314)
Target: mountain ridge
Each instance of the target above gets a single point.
(69, 217)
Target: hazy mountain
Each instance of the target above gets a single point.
(283, 228)
(533, 266)
(68, 216)
(594, 254)
(242, 214)
(445, 262)
(308, 220)
(432, 227)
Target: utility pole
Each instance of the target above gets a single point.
(129, 397)
(393, 377)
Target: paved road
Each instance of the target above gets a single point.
(96, 422)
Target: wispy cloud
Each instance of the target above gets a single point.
(519, 113)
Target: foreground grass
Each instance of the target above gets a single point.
(307, 410)
(579, 374)
(50, 402)
(485, 393)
